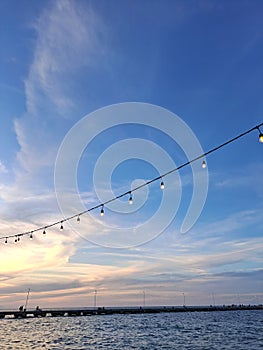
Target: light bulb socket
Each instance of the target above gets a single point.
(260, 136)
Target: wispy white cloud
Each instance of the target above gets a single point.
(249, 176)
(36, 149)
(3, 168)
(236, 222)
(67, 40)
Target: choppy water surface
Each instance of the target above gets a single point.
(199, 330)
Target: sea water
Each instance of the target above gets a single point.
(235, 330)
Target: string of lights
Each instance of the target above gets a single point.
(17, 236)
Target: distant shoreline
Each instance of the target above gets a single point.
(70, 312)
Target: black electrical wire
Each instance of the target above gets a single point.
(101, 205)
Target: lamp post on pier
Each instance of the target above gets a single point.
(184, 300)
(95, 299)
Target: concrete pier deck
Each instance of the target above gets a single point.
(120, 310)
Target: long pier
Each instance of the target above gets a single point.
(120, 310)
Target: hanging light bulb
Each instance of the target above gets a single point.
(78, 219)
(130, 199)
(102, 211)
(260, 137)
(61, 226)
(203, 164)
(15, 239)
(44, 231)
(162, 185)
(18, 238)
(31, 235)
(5, 240)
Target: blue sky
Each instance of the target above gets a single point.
(61, 61)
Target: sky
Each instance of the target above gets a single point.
(99, 97)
